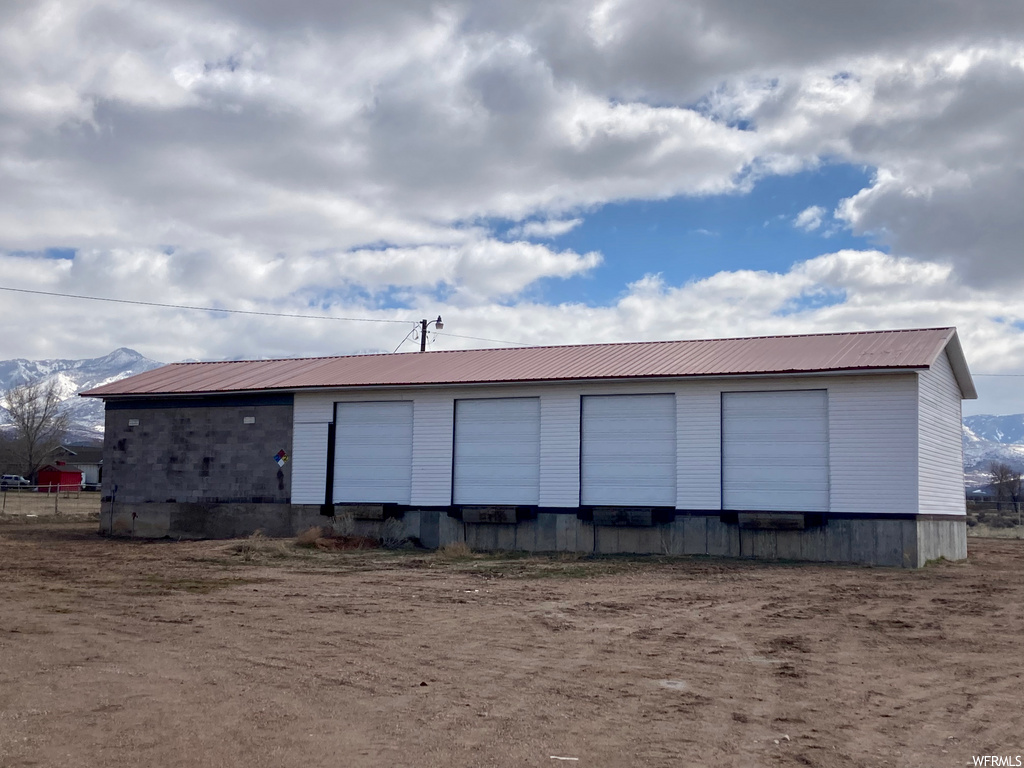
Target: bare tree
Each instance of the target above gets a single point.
(8, 464)
(1006, 482)
(39, 422)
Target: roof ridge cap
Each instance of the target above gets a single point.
(570, 346)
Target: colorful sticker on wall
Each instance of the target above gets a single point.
(281, 457)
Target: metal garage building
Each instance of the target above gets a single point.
(832, 447)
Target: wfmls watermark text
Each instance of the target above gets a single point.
(998, 760)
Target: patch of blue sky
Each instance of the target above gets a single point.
(385, 297)
(810, 301)
(688, 238)
(1003, 320)
(66, 254)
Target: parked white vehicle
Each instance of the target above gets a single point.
(13, 481)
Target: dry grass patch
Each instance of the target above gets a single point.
(454, 550)
(981, 530)
(258, 547)
(347, 543)
(327, 539)
(309, 537)
(392, 534)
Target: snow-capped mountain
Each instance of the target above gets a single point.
(988, 439)
(74, 376)
(1007, 430)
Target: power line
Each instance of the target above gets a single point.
(407, 337)
(1011, 375)
(249, 312)
(204, 309)
(479, 338)
(310, 317)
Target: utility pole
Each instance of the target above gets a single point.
(423, 331)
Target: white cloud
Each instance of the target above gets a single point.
(348, 158)
(129, 124)
(935, 127)
(544, 230)
(847, 290)
(809, 219)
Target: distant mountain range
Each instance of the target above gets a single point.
(985, 438)
(74, 376)
(991, 438)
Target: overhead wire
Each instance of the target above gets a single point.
(205, 309)
(138, 302)
(480, 338)
(407, 337)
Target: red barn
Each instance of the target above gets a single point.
(59, 478)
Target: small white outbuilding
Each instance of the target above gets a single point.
(830, 447)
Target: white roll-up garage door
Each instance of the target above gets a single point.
(373, 452)
(775, 451)
(497, 451)
(628, 450)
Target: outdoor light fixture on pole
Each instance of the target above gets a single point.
(438, 325)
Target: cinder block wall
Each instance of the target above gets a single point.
(205, 453)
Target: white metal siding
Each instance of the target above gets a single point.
(432, 449)
(373, 452)
(940, 446)
(629, 450)
(560, 448)
(309, 463)
(775, 450)
(314, 407)
(873, 437)
(497, 451)
(699, 446)
(873, 423)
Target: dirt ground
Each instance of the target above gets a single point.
(258, 653)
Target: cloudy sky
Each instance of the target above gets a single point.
(541, 173)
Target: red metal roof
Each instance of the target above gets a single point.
(814, 353)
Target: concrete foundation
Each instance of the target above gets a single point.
(906, 543)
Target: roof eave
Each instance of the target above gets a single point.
(860, 371)
(958, 362)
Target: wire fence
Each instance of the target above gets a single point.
(1000, 519)
(48, 500)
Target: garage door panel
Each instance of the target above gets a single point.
(510, 431)
(617, 427)
(497, 451)
(373, 452)
(640, 440)
(762, 483)
(628, 450)
(771, 437)
(773, 475)
(620, 472)
(803, 498)
(783, 455)
(365, 467)
(775, 451)
(496, 471)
